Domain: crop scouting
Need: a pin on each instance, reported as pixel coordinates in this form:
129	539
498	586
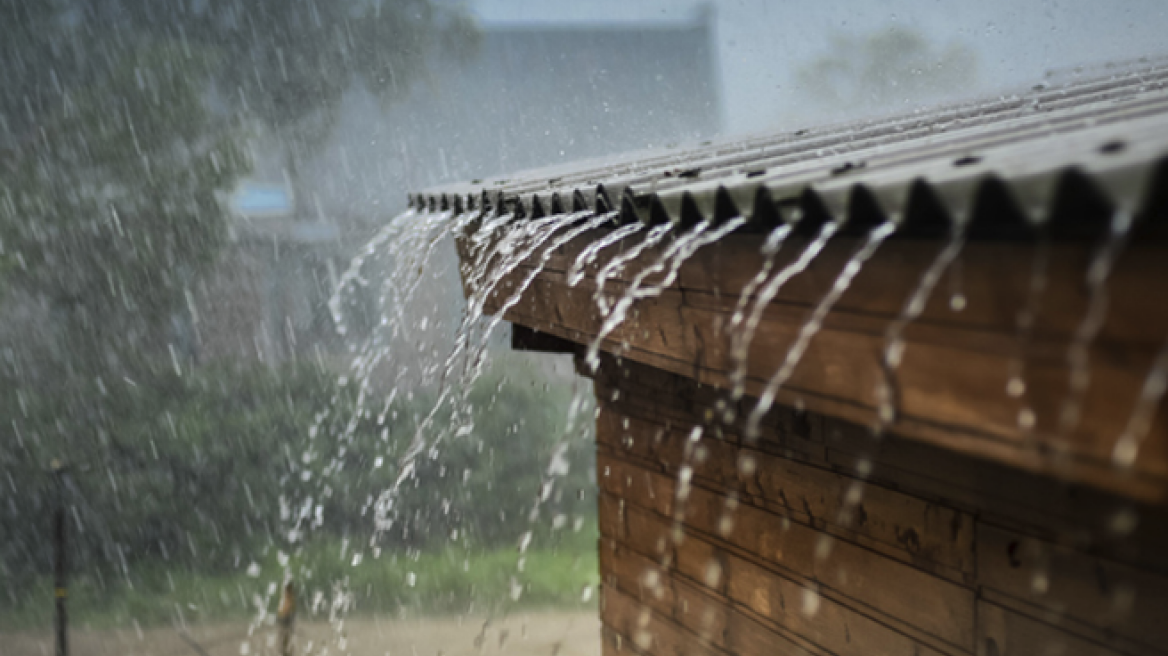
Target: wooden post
286	618
60	584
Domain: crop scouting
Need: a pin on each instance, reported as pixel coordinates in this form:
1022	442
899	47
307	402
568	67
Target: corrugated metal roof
1073	154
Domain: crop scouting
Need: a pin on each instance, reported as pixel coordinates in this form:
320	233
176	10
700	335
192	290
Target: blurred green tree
123	124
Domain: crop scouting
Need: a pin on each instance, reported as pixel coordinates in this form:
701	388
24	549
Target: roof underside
1059	157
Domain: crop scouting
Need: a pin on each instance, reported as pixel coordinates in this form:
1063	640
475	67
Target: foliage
447	581
186	468
191	473
122	125
886	68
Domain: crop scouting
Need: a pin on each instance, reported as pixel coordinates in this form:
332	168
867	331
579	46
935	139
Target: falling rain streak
502	257
813	324
894	345
1078	355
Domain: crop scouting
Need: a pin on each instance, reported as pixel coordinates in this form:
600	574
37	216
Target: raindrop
810	606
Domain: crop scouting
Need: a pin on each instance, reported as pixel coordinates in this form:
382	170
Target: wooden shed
965	341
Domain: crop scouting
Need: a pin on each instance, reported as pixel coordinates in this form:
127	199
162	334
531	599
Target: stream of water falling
814	323
670	262
1127	447
492	264
617	264
476	358
589	254
770	250
1078	355
586	226
1016	386
742	338
893	351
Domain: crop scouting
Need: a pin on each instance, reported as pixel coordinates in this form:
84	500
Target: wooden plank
967	410
936	606
706	615
926	531
630	436
640	577
1119	601
820	619
614	644
994	278
1051	509
1003	632
802	610
647	631
711	618
992	301
610	516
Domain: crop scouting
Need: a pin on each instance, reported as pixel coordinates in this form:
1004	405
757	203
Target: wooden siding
952	382
956	532
781	547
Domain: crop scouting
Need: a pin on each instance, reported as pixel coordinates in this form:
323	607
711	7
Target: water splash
814	323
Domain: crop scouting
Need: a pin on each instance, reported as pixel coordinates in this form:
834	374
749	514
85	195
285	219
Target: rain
517	327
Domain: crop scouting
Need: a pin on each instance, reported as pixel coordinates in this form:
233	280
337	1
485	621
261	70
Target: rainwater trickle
814	323
894	345
1078	355
668	265
742	338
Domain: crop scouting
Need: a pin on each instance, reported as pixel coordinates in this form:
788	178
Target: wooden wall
952	384
819	539
962	531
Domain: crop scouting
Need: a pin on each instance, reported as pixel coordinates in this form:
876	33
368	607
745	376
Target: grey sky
761	42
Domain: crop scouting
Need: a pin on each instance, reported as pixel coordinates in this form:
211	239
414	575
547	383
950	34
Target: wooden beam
952	384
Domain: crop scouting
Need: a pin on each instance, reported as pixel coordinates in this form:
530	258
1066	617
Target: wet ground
531	634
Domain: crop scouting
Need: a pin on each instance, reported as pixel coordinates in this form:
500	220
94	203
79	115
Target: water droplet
823	546
1040	583
1125	452
1026	419
1124	522
713	574
1016	387
810	602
